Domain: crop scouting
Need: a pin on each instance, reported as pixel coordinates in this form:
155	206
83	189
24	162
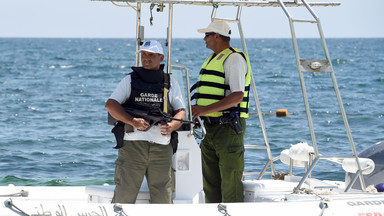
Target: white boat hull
65	201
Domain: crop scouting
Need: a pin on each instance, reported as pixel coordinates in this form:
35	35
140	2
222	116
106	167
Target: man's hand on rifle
140	124
165	129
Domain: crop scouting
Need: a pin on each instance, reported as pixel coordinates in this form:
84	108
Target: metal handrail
335	86
260	115
191	130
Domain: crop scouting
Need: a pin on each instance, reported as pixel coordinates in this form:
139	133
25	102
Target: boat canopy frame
303	65
244	3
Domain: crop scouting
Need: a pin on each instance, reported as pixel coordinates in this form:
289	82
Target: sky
96	19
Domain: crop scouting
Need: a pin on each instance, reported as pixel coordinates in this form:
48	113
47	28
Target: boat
267	192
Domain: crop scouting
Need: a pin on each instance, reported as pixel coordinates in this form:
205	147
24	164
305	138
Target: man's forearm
229	101
117	111
179	114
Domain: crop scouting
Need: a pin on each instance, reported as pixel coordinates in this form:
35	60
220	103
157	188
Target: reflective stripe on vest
211	85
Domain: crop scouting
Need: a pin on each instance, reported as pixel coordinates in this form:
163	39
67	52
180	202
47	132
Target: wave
17	181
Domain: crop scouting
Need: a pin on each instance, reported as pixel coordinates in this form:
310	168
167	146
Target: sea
53	124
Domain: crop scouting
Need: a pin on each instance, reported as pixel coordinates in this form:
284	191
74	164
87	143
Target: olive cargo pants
139	158
222	152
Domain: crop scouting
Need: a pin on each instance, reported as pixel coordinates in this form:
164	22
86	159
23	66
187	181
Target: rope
223	209
323	205
279	175
10	205
128	5
119	210
22	193
150	10
214	4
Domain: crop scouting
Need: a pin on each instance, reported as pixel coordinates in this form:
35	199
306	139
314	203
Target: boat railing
315	65
269	163
302	155
198	133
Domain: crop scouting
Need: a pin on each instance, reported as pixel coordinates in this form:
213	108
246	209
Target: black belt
214	120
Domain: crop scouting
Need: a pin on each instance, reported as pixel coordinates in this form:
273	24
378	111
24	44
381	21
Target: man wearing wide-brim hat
222	95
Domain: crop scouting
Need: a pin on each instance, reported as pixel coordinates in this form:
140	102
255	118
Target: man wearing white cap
222	95
145	150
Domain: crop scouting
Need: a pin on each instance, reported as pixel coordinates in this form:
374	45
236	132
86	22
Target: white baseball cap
152	46
217	26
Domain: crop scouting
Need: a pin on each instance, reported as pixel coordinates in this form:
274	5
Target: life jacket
211	85
147	90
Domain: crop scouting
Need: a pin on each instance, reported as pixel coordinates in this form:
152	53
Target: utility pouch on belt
119	131
235	122
174	141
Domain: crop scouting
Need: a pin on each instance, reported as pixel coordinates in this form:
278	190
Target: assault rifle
152	117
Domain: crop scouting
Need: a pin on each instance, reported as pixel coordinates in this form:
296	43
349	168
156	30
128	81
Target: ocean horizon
53	124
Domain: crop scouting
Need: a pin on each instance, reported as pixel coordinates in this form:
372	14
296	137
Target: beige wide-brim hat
217	26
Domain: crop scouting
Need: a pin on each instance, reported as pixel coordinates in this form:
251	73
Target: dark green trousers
222	152
137	159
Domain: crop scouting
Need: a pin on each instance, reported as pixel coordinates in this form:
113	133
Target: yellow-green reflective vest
211	85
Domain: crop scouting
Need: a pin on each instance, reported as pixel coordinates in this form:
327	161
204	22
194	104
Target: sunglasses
209	33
